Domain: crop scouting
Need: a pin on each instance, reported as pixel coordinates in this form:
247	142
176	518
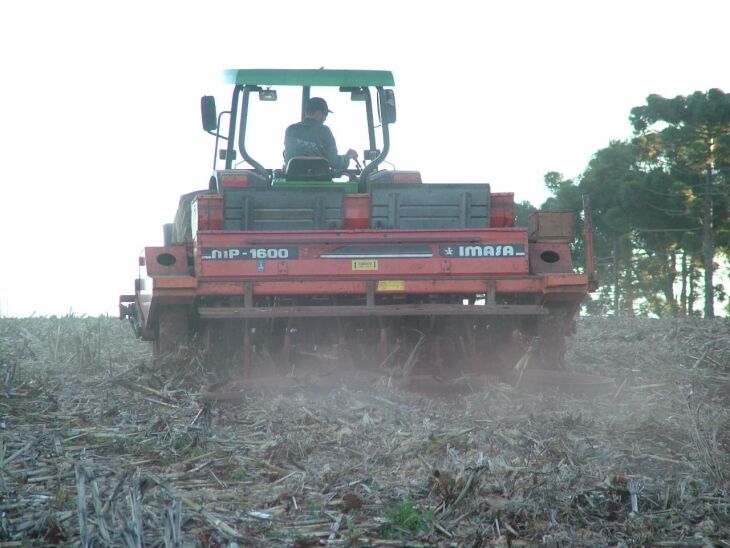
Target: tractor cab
241	132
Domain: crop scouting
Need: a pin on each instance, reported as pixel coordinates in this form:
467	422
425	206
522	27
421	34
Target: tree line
660	204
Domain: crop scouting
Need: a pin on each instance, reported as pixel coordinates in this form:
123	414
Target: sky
100	107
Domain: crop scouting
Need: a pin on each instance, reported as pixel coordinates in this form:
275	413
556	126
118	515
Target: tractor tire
551	332
172	342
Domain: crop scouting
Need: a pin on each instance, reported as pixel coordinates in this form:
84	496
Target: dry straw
99	448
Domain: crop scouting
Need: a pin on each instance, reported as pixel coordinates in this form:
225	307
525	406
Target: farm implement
366	267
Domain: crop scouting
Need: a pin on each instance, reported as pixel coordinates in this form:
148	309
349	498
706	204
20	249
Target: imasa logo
471	251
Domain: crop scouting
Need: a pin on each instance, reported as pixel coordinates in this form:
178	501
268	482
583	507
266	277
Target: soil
630	446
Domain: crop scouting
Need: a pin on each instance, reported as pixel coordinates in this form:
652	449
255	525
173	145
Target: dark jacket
312	138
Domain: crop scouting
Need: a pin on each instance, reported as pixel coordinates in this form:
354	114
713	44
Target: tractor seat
308	168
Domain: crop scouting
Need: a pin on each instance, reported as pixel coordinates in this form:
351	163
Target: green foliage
409	517
642	226
688	138
694	129
315	506
353	531
238	475
181	442
648	203
522	212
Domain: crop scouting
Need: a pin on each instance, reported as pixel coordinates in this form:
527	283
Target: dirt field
97	448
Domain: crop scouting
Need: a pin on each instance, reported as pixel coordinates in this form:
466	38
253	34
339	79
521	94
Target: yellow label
391	285
364	264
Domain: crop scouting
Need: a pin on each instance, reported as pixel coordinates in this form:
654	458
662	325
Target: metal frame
369	310
250	80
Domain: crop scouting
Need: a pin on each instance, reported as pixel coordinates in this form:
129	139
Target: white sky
101	133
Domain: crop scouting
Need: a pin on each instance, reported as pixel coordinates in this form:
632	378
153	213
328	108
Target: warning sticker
391	285
364	264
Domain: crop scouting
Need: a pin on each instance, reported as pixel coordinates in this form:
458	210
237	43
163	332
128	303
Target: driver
311	137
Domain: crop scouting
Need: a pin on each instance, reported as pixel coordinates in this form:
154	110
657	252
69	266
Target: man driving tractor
312	138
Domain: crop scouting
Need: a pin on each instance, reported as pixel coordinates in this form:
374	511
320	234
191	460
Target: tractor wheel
173	336
551	332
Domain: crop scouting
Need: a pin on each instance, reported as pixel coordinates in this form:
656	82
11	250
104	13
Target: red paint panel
360	288
502	210
208	210
510	235
344	268
166	261
357	211
550	258
321	287
569	287
519	285
311	245
175	282
567	282
330	287
230	180
309	274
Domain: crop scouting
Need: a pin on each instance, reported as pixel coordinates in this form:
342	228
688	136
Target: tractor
278	265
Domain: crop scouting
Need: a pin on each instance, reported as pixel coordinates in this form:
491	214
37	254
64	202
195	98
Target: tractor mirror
388	107
267	95
208	113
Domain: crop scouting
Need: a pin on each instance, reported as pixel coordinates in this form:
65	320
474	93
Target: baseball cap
317	103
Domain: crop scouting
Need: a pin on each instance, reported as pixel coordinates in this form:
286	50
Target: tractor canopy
309	77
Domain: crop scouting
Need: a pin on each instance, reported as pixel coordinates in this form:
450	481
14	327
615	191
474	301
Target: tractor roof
309	77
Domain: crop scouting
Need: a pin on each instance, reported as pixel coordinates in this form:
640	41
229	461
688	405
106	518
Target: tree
692	134
642	230
608	174
523	210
